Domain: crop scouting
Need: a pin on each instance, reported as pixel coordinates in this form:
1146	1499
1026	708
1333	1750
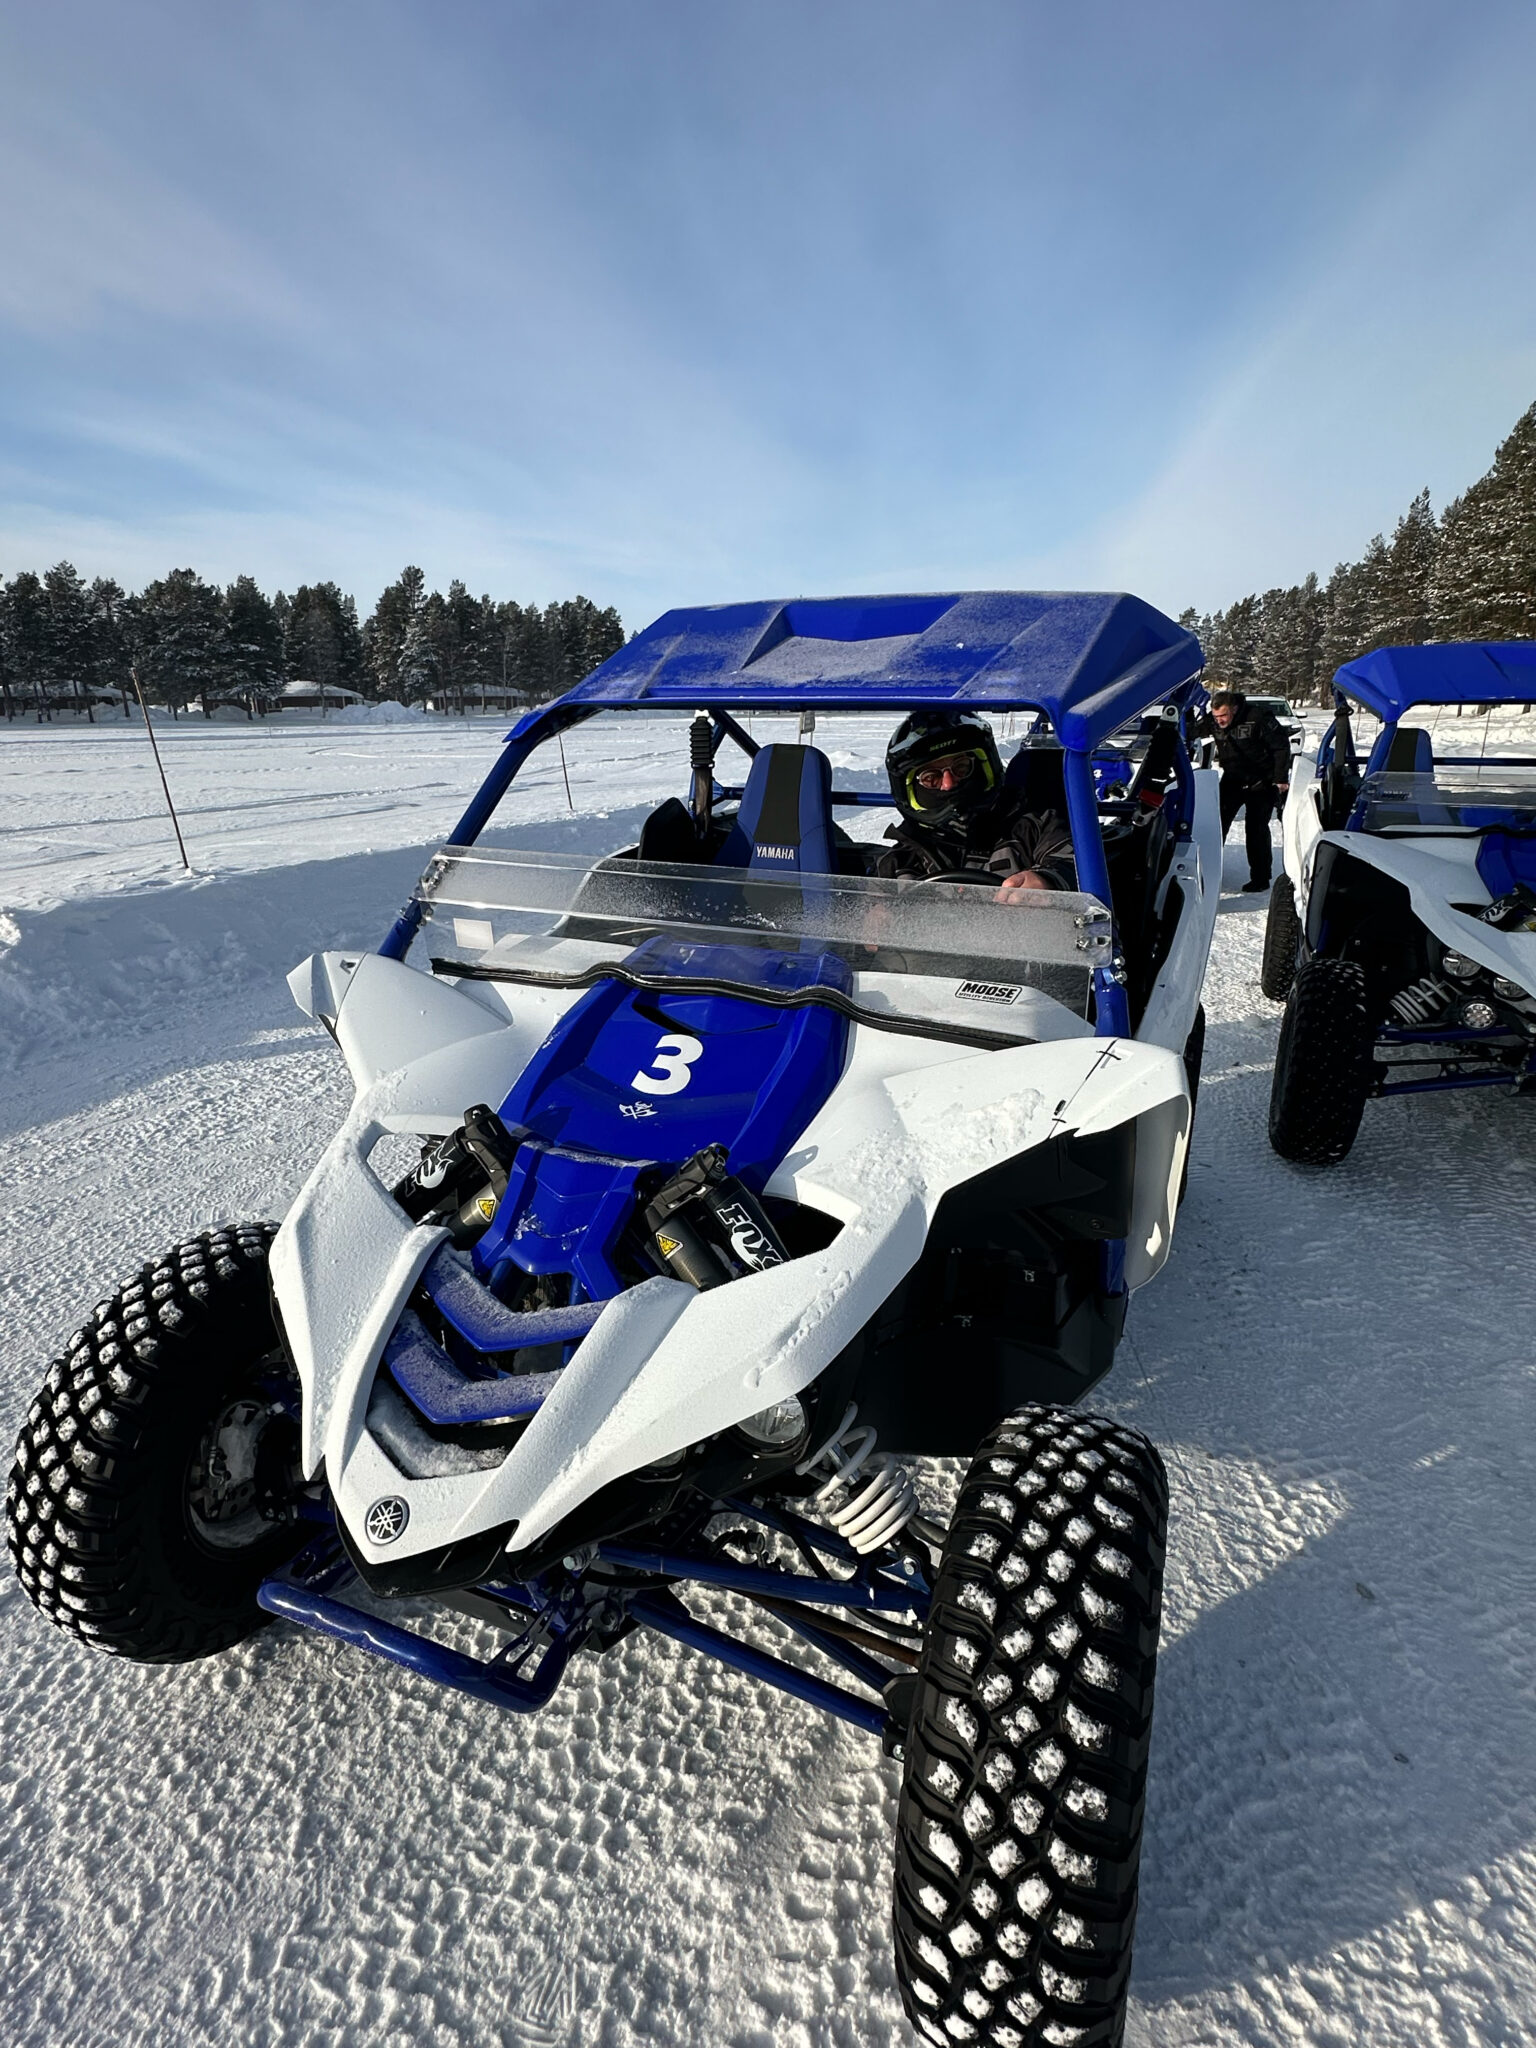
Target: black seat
1036	776
1412	752
669	834
1408	751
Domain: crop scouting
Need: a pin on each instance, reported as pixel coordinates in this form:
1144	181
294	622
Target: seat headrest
1036	776
784	824
1410	752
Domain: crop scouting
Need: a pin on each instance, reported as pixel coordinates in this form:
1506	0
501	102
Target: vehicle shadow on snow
1237	905
1344	1734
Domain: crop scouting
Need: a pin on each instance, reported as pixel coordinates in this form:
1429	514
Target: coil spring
868	1516
701	741
1421	1000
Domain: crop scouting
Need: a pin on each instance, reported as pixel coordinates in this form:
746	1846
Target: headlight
1459	965
776	1428
1511	991
1479	1016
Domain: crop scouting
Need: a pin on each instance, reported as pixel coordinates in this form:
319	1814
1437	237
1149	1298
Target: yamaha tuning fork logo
385	1521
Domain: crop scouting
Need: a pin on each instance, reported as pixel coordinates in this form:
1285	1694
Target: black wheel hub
244	1472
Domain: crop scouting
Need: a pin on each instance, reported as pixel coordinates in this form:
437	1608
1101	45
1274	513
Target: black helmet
929	736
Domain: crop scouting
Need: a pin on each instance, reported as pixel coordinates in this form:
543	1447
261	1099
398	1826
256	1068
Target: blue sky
672	301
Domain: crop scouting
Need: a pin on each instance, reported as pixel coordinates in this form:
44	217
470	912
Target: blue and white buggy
1402	934
730	1174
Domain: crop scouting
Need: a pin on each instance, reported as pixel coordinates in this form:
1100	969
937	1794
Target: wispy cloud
1390	355
686	302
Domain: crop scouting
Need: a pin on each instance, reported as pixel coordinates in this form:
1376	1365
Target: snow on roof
333	691
1088	659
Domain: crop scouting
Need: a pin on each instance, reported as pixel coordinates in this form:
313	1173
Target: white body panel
665	1366
1438	869
1196	872
1300	825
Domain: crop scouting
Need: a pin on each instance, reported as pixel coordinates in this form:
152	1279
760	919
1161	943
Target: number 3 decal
675	1055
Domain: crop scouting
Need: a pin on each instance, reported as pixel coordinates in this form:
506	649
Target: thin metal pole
560	737
175	821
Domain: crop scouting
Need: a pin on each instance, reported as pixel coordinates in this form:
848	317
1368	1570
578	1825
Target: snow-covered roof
298	688
1444	672
1088	659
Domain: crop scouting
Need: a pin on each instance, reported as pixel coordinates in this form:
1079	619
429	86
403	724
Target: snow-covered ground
290	1844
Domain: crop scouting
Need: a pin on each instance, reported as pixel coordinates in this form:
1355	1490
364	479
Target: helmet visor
933	786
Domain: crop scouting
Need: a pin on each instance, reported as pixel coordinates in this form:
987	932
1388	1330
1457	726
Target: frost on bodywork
385	1015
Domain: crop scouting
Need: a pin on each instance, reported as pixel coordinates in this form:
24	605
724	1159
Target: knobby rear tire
1282	939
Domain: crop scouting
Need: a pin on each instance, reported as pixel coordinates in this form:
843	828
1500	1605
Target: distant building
478	697
302	696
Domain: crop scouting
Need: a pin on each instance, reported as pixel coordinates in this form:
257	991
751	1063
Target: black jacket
1002	837
1252	749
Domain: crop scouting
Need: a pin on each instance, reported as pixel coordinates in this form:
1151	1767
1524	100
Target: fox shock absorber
460	1179
707	1227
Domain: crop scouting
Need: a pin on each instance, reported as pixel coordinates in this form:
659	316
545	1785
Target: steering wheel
977	877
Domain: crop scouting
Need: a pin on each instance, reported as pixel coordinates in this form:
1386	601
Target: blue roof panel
1089	660
1444	672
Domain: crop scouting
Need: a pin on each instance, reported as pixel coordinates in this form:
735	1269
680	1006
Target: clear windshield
1457	796
487	906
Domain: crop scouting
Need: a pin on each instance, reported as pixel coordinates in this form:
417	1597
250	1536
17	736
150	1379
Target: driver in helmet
958	813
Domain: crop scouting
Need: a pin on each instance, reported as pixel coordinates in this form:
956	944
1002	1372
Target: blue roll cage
1392	680
1086	663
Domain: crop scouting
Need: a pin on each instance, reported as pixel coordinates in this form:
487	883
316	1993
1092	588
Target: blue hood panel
642	1080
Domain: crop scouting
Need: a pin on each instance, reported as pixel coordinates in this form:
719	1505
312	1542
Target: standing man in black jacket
1254	757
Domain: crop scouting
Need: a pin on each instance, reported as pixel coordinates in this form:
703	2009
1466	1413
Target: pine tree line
68	644
1468	575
